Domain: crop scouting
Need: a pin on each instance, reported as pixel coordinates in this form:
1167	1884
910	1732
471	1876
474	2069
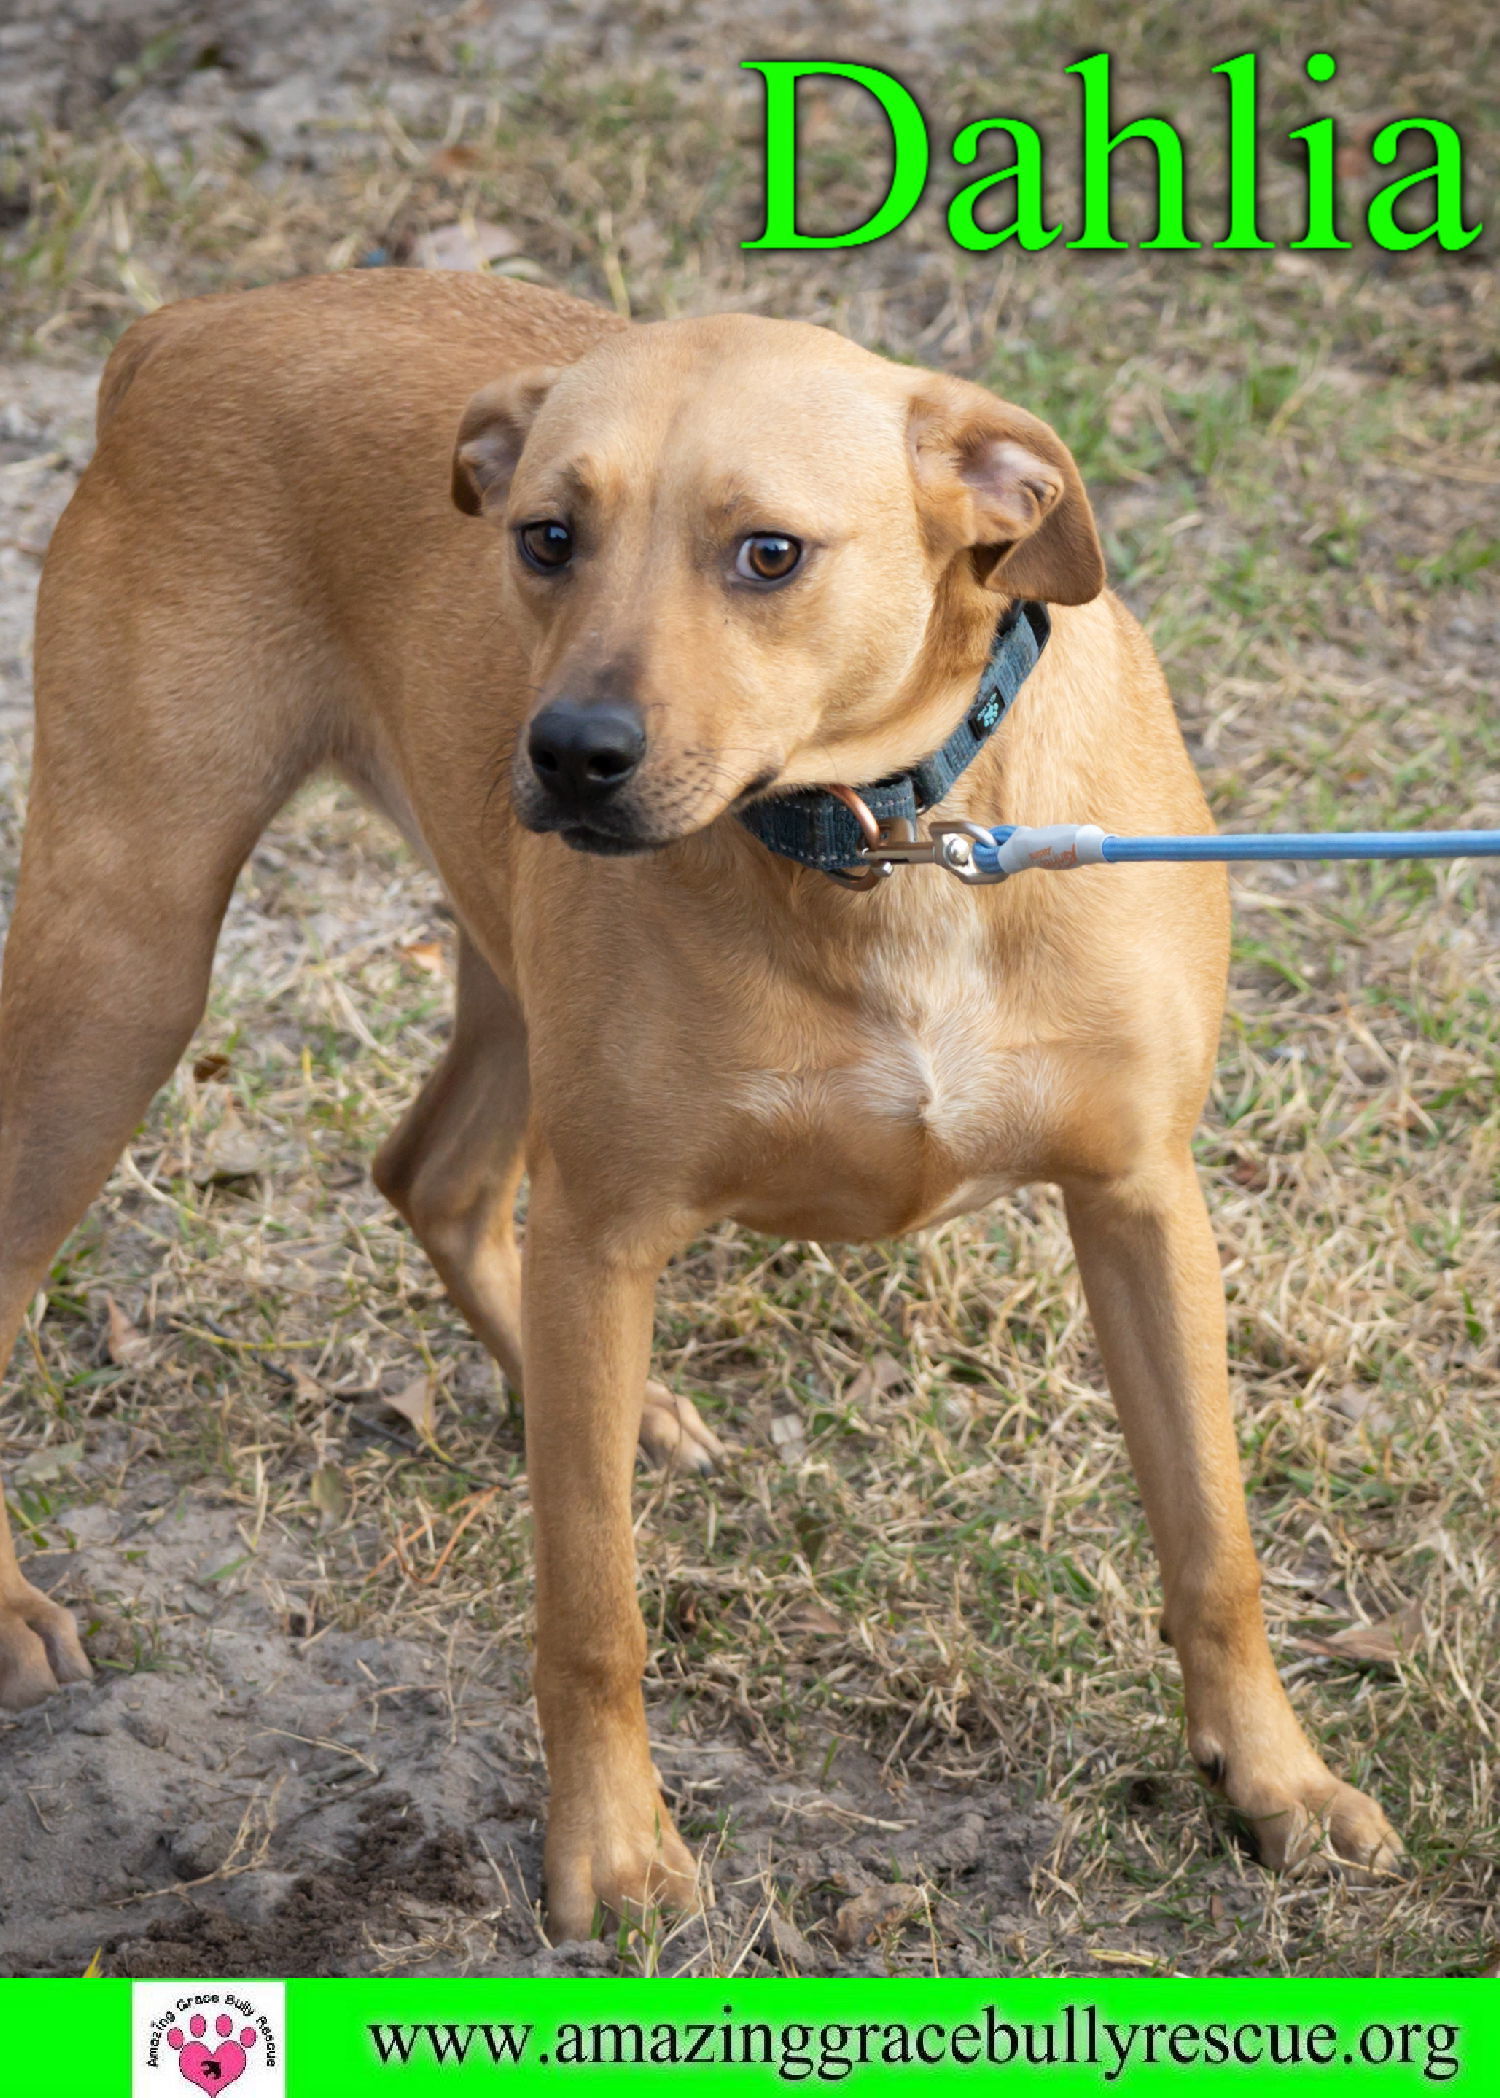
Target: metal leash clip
894	841
946	845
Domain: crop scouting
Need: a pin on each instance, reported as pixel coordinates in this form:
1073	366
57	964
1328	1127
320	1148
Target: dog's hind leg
148	791
452	1168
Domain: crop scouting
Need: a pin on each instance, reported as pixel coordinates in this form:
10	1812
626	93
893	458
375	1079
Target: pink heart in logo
211	2069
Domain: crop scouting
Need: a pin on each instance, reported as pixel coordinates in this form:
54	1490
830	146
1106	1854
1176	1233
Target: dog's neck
796	916
821	830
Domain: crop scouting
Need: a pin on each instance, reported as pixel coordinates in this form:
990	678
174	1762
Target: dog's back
501	318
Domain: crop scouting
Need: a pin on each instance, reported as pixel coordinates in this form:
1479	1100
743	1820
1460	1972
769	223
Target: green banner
341	2039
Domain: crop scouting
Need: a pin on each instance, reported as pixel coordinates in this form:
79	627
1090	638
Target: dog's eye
768	557
545	546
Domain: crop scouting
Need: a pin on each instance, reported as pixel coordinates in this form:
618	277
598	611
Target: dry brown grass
927	1554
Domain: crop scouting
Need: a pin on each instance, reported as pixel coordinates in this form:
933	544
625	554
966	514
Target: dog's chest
921	1050
917	1102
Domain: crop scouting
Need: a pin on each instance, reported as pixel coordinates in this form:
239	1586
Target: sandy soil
330	1803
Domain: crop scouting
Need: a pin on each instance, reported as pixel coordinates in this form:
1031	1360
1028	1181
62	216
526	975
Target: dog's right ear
490	437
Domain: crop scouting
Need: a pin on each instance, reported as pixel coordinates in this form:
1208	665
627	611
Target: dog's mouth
608	844
624	828
626	842
608	836
762	783
620	832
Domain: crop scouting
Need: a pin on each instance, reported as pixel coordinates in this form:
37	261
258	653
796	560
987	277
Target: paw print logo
212	2068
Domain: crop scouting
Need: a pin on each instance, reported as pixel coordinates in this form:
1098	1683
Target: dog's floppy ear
491	435
997	480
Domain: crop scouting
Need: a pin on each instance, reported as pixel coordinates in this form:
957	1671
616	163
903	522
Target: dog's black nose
584	753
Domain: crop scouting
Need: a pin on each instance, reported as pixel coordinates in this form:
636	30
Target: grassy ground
926	1557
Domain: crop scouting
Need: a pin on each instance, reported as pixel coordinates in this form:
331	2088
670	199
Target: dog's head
752	557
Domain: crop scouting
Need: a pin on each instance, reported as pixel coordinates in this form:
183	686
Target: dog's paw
39	1649
606	1875
1292	1817
1338	1821
674	1435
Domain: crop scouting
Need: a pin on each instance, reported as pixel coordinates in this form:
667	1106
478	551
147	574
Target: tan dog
688	563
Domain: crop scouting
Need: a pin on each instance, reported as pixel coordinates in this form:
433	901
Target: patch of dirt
253	1798
289	79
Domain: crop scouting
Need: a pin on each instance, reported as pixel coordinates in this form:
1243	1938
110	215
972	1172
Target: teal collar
816	829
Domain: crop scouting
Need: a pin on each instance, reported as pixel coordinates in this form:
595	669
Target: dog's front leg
611	1846
1152	1277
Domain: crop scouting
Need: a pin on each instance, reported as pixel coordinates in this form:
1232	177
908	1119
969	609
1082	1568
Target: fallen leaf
878	1910
455	160
1357	1405
49	1463
810	1617
472	245
125	1343
1385	1641
329	1494
881	1374
415	1404
214	1065
231	1153
426	954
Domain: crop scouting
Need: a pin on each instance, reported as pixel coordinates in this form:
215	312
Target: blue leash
859	836
981	855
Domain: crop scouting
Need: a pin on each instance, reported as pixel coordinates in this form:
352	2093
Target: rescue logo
208	2036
